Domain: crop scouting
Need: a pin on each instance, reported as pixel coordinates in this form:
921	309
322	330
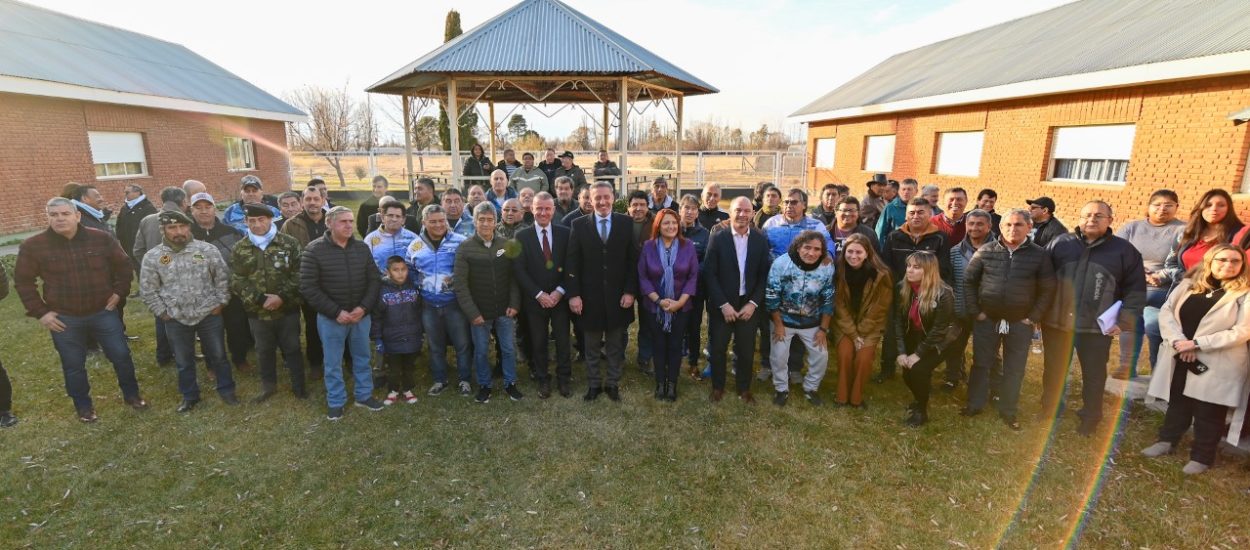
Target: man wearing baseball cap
573	171
1045	226
185	282
250	192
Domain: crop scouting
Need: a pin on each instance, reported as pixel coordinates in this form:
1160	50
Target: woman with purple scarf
668	274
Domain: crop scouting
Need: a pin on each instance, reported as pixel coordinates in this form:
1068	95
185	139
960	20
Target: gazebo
540	52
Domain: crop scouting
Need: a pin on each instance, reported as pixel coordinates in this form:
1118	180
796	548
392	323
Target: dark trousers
889	343
1092	350
211	331
271	336
694	330
604	346
743	334
6	391
667	346
1207	419
986	344
401	371
106	328
312	341
238	331
164	351
919	378
642	336
953	355
539	321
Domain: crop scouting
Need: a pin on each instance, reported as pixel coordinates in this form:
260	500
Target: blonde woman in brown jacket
862	297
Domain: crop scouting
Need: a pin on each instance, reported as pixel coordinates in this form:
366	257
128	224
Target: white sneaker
391	398
1160	448
410	398
465	389
1194	468
437	388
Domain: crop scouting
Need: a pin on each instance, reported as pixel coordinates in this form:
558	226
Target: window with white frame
879	153
240	155
1097	154
959	153
117	154
824	152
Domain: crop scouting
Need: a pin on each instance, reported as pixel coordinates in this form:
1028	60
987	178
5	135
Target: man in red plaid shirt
85	276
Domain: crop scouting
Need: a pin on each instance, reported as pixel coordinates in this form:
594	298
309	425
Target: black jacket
334	278
532	271
1092	276
1049	232
709	218
720	270
899	244
1010	285
364	214
600	273
128	224
396	317
478	167
936	323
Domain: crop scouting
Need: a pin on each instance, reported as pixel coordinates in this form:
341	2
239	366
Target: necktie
603	230
546	247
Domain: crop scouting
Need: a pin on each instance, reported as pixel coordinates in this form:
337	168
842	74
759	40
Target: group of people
541	258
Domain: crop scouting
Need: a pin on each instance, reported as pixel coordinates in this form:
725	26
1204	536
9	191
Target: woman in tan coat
862	298
1203	361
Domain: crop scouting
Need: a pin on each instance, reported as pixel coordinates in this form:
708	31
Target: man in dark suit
602	279
735	272
539	270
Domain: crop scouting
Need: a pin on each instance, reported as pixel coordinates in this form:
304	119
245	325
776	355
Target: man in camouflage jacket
266	279
185	282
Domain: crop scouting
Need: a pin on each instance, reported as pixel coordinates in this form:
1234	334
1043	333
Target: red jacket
79	274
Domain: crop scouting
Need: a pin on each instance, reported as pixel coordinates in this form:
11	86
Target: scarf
913	312
262	241
856	280
85	208
133	203
798	262
666	290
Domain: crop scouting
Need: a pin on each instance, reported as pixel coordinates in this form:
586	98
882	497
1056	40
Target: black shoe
87	415
1012	423
187	405
564	389
137	403
7	419
230	399
371	403
334	413
660	391
265	394
513	393
483	395
670	391
917	418
969	411
613	392
949	386
544	389
779	399
592	394
813	398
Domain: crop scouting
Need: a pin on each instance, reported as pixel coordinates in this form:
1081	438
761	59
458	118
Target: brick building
90	103
1106	99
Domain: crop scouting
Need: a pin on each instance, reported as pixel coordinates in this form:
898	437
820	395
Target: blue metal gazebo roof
541	38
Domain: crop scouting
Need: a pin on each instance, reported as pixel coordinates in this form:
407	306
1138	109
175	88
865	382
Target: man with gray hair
1008	286
85	274
932	193
193	187
340	281
710	213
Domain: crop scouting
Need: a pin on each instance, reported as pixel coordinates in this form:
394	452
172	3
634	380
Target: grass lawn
565	474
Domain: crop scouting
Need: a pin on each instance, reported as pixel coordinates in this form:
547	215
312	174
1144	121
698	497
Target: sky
767	57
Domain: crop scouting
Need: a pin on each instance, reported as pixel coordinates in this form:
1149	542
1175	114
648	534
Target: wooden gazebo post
453	128
623	141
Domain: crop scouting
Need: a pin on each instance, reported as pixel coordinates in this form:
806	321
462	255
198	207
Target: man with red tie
539	271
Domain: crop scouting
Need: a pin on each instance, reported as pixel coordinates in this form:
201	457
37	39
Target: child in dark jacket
397	323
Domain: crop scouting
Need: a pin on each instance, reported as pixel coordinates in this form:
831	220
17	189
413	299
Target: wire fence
731	169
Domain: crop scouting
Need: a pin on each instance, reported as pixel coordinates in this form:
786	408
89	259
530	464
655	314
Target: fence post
777	171
699	171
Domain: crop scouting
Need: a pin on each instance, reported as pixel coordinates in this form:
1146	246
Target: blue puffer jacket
383	245
434	267
234	216
396	318
781	233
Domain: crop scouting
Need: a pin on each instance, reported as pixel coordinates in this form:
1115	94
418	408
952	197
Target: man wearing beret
185	282
265	278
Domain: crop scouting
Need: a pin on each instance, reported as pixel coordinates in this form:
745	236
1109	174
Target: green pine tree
468	123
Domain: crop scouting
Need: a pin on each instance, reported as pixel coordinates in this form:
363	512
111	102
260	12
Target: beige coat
1222	336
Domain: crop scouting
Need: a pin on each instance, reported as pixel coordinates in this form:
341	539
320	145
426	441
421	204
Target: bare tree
365	127
329	127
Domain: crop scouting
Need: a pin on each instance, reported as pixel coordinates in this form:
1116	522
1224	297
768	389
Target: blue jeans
442	323
505	331
334	337
71	344
212	333
1147	325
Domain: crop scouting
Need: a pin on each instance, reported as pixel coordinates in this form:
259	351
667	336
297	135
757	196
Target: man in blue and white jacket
391	238
250	192
781	230
432	255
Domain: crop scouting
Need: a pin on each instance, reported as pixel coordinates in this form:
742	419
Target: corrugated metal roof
1077	38
541	37
40	44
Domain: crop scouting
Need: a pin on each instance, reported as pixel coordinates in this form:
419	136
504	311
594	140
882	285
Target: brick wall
44	145
1184	141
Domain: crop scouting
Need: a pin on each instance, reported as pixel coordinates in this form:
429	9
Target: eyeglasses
790	201
512	210
1095	217
1227	260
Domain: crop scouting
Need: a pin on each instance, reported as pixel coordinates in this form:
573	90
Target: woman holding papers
1203	362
